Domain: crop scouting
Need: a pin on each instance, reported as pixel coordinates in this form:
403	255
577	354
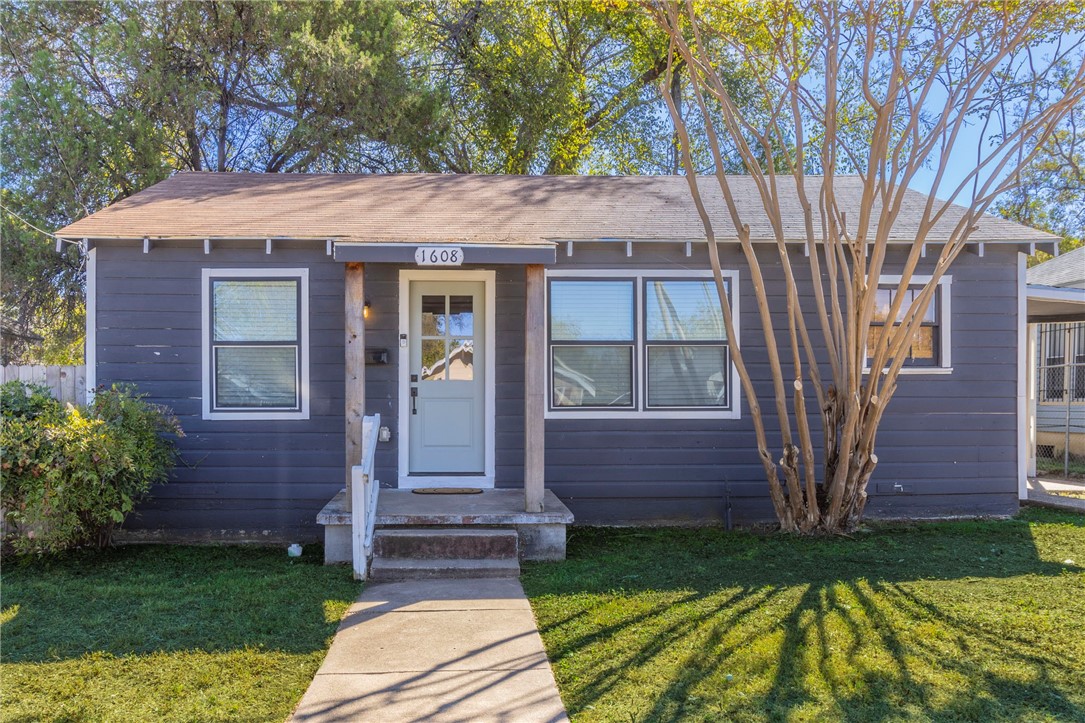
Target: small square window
928	348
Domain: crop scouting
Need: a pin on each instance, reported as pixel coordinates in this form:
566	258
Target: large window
929	350
648	343
255	351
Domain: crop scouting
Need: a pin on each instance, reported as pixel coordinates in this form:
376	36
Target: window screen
592	343
685	343
255	335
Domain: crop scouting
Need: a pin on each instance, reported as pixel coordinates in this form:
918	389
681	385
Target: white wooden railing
363	499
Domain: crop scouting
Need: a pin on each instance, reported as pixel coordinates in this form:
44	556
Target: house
1056	315
513	333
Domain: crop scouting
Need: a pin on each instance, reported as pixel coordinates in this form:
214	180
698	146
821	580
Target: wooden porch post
354	367
534	388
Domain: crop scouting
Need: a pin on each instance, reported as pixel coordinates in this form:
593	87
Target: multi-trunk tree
887	91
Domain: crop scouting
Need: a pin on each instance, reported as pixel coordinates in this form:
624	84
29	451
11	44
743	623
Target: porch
442	432
541	534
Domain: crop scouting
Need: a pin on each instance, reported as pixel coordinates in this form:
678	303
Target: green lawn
976	621
161	633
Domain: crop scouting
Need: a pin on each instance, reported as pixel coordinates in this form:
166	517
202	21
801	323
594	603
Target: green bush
72	474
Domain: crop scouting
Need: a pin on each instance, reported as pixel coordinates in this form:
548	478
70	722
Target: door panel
447	381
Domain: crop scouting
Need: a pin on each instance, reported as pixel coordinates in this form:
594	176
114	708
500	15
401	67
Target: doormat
447	491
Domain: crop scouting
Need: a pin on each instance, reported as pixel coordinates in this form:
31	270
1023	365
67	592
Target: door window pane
461	318
591	310
255	310
687	376
433	360
461	360
256	376
684	311
433	316
592	376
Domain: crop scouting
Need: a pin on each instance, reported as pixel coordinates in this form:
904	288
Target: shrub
72	474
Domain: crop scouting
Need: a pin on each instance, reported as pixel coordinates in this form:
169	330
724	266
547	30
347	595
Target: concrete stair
431	553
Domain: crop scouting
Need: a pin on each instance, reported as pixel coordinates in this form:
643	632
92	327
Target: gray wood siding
1051	417
950	439
254	479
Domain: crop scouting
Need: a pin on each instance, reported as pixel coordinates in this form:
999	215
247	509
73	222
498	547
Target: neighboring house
569	317
1056	312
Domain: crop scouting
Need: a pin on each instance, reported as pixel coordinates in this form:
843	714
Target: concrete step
444	543
397	569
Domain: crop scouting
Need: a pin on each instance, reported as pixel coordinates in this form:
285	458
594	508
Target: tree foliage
103	99
106	97
545	87
885	90
1049	193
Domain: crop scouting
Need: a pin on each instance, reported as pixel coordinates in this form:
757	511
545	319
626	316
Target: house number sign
438	256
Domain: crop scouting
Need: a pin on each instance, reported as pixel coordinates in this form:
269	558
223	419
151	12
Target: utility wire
30	225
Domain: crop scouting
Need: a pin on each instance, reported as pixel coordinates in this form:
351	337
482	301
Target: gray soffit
1051	303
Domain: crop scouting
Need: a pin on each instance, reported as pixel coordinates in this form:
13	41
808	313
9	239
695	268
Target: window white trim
486	479
1023	343
945	322
90	343
637	276
206	276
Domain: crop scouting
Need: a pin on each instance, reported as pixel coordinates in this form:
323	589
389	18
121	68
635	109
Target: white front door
446	403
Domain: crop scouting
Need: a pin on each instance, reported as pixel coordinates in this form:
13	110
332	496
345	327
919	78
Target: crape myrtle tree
885	91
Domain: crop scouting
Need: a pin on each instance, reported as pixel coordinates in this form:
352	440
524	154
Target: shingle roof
1067	270
422	208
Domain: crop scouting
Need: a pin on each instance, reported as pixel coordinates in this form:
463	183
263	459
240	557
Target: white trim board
1023	346
638	275
486	480
205	343
90	343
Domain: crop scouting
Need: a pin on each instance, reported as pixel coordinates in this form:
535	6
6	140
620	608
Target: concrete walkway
436	650
1040	493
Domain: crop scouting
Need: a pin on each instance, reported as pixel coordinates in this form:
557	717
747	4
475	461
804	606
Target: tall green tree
547	86
102	99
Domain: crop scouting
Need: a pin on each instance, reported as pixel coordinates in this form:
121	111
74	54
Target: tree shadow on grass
147	599
961	621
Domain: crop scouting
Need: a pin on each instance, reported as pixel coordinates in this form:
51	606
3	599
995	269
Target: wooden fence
68	383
